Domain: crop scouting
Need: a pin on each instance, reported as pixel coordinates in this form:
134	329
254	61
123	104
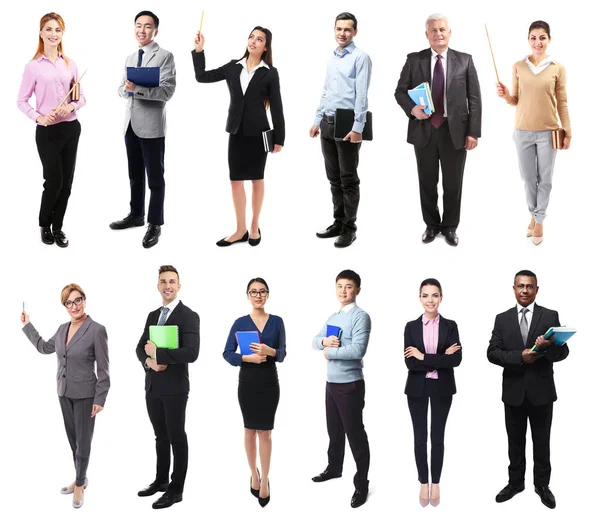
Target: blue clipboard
244	339
144	76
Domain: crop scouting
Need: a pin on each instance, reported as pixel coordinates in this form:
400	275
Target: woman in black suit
432	351
254	87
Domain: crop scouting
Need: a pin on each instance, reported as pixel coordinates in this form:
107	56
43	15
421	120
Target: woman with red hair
49	76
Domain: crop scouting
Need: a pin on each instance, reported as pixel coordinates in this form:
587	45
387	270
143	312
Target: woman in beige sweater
539	92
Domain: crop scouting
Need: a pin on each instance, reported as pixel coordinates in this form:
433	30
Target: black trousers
57	147
341	164
167	415
344	403
440	150
79	425
540	420
146	156
440	407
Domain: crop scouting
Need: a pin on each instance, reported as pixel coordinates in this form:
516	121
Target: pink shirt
431	331
50	82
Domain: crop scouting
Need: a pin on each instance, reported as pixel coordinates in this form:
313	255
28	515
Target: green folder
164	336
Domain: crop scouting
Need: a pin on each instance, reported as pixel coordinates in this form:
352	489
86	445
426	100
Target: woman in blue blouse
258	389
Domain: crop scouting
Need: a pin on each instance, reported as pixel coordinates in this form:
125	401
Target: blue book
244	339
561	336
421	95
144	76
333	330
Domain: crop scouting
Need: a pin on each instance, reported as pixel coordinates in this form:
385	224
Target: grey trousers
79	424
536	163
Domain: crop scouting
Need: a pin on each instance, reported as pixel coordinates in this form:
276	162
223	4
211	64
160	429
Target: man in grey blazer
145	123
445	136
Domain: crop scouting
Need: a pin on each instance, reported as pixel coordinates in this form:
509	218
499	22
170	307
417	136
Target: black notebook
268	137
344	120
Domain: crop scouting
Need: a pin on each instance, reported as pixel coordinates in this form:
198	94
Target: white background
119	277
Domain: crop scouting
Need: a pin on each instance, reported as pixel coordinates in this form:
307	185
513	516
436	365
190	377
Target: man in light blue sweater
345	389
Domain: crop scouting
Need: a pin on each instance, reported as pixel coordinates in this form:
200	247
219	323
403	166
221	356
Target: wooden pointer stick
70	91
201	20
491	51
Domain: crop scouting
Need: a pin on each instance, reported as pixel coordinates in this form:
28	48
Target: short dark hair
431	281
525	272
349	275
150	14
540	24
167	268
347	16
255	280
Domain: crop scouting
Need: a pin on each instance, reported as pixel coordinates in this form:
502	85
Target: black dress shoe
60	238
255	491
359	497
167	499
47	236
255	241
345	239
429	235
151	237
326	475
152	489
451	238
331	232
546	496
263	502
224	243
508	492
128	221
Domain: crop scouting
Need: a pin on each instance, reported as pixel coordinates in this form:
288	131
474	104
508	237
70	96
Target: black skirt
258	395
247	157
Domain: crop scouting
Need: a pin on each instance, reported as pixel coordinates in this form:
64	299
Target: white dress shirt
537	69
245	75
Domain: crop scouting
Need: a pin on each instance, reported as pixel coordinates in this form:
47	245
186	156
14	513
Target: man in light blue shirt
343	340
346	85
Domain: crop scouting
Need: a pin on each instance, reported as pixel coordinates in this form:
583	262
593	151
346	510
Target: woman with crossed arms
432	351
79	345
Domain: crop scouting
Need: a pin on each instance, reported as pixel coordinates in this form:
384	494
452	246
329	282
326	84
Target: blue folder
561	336
334	330
244	339
421	95
144	76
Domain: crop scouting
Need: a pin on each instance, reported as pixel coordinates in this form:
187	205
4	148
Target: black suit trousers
341	164
146	156
440	407
344	403
167	415
540	420
440	150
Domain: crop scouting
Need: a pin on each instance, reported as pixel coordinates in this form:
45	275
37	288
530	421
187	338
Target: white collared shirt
147	52
528	316
445	67
171	307
245	75
537	69
349	307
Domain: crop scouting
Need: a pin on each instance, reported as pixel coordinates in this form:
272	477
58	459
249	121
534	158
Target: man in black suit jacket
452	130
528	390
167	387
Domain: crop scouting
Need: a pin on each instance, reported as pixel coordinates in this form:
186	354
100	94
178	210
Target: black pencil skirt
247	157
258	395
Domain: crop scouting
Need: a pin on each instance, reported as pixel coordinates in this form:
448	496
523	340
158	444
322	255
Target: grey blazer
146	108
75	377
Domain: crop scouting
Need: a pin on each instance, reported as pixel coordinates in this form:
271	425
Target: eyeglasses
254	293
77	301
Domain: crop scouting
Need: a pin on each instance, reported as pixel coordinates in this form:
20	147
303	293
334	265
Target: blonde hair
68	289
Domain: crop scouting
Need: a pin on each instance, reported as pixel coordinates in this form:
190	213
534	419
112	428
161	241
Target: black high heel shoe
263	502
255	491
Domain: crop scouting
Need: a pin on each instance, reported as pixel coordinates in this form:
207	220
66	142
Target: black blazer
443	363
533	381
247	112
175	379
462	94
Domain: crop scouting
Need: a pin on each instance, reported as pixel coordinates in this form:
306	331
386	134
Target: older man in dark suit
445	136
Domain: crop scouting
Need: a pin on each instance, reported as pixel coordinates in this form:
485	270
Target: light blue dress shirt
346	85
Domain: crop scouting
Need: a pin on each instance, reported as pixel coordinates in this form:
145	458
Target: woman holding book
254	87
539	90
432	350
258	388
49	76
82	379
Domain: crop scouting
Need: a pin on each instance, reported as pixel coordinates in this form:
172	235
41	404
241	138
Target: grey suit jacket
75	377
146	109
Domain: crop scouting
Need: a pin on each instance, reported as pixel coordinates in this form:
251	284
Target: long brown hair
267	55
61	23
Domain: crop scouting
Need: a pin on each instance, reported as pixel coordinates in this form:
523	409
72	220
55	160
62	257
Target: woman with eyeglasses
258	388
49	76
432	350
80	345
